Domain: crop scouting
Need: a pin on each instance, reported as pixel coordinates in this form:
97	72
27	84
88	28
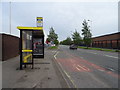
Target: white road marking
62	70
84	68
70	78
92	52
78	69
111	56
103	55
56	55
110	69
65	73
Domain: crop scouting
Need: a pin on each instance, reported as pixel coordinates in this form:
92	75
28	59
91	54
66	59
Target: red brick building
107	41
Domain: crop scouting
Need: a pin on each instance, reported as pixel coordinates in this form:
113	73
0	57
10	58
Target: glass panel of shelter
26	47
37	46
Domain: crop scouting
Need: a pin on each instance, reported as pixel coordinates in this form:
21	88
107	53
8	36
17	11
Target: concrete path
44	75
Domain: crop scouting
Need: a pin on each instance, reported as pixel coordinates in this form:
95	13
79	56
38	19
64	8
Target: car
73	46
52	44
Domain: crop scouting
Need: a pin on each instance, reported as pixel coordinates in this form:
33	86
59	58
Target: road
88	68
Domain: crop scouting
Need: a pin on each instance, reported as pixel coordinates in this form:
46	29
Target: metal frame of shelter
27	48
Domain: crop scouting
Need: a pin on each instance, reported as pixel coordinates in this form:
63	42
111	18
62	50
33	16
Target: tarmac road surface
88	68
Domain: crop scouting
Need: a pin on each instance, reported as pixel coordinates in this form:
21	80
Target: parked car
73	46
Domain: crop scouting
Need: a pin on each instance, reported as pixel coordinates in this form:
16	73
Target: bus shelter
31	45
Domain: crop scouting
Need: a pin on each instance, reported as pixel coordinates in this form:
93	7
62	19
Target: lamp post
10	17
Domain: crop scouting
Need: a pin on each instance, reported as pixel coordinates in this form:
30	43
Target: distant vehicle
52	44
73	46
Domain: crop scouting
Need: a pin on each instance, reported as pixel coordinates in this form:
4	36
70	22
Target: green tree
67	41
86	33
76	38
53	36
56	42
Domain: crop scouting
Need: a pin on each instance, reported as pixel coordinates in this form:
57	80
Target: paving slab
44	75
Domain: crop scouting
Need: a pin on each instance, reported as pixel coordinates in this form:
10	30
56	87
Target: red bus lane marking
73	65
79	69
100	68
113	74
67	64
84	68
79	66
95	66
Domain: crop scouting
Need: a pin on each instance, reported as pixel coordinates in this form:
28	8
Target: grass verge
100	49
53	47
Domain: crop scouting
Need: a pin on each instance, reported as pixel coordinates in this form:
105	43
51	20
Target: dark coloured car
73	46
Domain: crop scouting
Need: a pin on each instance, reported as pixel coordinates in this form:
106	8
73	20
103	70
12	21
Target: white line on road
111	56
104	55
62	69
70	78
92	52
84	68
65	73
56	55
110	69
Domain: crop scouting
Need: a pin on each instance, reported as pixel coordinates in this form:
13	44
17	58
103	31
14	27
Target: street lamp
10	17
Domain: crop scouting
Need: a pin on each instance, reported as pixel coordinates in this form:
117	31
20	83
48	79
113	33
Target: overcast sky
65	17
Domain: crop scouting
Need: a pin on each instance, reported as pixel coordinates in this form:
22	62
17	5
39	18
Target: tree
56	42
86	33
67	41
76	38
53	36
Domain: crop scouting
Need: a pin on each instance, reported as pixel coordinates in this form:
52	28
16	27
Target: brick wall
10	46
107	41
0	47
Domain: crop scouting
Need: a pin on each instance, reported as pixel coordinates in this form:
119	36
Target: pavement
45	74
89	68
